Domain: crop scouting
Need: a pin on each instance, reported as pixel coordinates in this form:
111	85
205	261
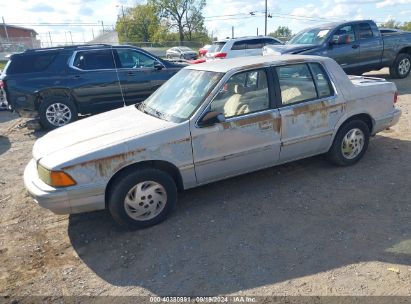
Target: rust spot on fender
179	141
104	164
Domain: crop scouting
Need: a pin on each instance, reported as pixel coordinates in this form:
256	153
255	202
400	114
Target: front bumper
387	121
68	200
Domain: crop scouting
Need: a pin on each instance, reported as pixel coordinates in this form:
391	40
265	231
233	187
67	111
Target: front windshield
181	95
310	36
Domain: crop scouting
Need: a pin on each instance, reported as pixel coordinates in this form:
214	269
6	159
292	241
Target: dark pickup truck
358	46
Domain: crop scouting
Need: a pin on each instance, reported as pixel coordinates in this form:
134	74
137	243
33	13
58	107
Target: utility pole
265	32
51	42
257	31
5	29
92	32
232	32
71	38
102	26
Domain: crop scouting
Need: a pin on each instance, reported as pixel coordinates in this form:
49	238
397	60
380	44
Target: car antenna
118	77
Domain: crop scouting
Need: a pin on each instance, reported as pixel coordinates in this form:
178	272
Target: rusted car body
95	150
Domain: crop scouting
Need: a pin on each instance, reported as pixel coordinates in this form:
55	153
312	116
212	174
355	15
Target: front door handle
355	46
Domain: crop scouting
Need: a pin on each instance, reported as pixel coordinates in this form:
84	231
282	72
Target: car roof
244	38
225	65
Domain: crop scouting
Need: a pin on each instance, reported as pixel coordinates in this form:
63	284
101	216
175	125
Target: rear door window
238	46
365	31
30	63
254	44
94	60
296	83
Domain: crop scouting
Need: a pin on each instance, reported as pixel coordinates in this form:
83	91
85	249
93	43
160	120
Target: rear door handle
76	77
355	46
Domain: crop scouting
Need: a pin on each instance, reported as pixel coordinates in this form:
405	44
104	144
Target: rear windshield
216	47
30	63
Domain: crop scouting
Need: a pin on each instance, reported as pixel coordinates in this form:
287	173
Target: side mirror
211	118
158	65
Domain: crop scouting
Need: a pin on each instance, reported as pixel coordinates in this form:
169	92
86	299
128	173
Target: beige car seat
233	106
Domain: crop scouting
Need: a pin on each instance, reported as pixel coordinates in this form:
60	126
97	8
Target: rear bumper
64	200
387	121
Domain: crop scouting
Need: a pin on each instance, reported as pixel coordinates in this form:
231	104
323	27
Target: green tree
139	23
183	15
391	24
282	32
406	26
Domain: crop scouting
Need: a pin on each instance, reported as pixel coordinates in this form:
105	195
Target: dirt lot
305	228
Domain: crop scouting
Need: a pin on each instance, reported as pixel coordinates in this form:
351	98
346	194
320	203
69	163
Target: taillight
2	85
395	97
220	55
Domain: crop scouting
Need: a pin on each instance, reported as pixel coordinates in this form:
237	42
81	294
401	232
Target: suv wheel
350	143
401	67
57	111
142	198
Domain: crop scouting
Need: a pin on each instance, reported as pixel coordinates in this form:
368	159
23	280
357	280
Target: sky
79	20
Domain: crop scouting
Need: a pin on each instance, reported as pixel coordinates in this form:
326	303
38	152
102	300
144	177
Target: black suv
56	84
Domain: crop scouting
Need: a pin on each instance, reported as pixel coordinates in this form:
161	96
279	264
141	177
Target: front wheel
401	66
142	198
350	143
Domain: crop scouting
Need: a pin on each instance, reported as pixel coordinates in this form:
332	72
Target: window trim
148	55
73	57
116	59
278	87
272	95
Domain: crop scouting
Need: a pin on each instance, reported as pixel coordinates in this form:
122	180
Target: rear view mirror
158	65
211	118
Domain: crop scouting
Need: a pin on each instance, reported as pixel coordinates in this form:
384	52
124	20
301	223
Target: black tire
336	155
56	100
397	69
127	181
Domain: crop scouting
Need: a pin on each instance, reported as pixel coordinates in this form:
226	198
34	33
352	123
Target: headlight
55	178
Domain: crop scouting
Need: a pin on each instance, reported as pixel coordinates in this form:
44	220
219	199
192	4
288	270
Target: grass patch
2	65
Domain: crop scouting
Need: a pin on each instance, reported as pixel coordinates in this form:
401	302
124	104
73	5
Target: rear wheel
142	198
401	66
57	111
350	143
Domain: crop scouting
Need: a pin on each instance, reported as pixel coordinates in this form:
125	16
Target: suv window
296	83
238	45
254	44
216	47
365	31
268	41
135	59
94	60
243	93
30	63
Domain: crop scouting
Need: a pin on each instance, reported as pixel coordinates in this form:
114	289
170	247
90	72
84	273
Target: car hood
99	132
289	48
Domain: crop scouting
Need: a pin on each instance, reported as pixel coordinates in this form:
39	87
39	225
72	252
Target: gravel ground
304	228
